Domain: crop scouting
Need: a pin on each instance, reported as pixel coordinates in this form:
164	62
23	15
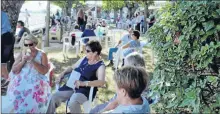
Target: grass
104	94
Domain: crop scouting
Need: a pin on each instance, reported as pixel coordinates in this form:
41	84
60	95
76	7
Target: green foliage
61	4
112	4
186	75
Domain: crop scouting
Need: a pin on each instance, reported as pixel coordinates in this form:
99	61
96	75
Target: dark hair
136	33
21	23
133	79
95	46
76	27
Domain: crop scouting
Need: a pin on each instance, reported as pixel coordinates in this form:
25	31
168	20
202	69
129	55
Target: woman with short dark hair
91	69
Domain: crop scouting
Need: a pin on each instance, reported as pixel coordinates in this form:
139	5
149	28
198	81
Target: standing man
27	15
7	44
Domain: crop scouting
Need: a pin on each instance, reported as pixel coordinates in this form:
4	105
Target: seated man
124	40
134	43
20	24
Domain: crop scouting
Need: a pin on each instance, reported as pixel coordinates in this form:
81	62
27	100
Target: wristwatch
87	83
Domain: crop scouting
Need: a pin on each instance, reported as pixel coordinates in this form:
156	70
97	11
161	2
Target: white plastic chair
67	43
87	106
90	38
118	56
55	35
21	42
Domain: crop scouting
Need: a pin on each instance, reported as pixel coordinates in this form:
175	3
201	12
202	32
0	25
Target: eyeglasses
88	51
26	45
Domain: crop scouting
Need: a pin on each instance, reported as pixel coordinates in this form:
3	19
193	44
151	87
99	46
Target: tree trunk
12	7
47	25
121	16
69	6
115	15
130	12
145	16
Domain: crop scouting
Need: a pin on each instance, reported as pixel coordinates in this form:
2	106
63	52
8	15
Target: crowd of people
136	22
29	90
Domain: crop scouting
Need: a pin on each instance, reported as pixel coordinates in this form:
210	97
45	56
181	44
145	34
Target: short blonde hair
133	79
32	38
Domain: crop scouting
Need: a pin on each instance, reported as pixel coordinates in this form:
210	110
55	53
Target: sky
37	6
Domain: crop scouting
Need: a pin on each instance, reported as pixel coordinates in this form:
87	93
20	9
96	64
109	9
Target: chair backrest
90	38
21	43
48	74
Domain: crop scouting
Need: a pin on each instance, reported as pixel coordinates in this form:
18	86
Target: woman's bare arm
18	64
43	67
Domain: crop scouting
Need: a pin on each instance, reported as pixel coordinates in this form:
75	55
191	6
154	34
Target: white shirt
142	17
128	21
139	19
136	20
133	21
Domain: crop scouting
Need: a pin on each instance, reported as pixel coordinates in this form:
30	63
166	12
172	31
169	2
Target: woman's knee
55	98
73	103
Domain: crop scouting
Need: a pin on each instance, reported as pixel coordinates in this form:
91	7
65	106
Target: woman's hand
27	58
79	83
58	79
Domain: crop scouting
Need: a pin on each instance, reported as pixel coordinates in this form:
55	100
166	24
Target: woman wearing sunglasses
29	90
91	72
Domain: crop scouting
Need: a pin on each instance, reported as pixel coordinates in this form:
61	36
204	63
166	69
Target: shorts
7	46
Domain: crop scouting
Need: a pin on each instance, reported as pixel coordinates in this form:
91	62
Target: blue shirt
133	44
88	32
6	27
21	32
125	39
143	108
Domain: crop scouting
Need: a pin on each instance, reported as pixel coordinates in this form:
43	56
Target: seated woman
29	89
92	71
130	83
133	59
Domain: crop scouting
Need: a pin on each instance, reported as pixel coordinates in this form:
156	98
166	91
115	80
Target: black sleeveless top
88	73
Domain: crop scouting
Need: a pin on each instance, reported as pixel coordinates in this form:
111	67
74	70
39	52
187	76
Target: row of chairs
67	41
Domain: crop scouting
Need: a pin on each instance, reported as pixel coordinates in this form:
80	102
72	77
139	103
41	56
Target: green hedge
185	38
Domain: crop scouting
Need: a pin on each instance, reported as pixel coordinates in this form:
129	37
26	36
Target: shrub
185	38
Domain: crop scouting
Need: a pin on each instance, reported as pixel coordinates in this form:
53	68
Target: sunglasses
88	51
26	45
